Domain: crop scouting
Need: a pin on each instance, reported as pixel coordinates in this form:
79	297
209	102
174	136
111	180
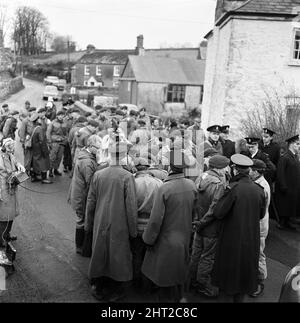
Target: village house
254	46
162	84
100	67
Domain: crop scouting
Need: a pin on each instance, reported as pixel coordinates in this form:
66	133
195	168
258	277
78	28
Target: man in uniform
213	139
254	153
287	187
57	138
227	145
25	111
268	146
26	128
242	206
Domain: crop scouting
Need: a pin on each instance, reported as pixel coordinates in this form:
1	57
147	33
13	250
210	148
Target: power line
114	13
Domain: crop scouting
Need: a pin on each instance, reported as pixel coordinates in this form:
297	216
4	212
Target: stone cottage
162	84
255	45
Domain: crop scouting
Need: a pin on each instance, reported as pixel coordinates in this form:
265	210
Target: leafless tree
29	29
276	111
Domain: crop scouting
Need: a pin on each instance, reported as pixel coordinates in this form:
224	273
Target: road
49	270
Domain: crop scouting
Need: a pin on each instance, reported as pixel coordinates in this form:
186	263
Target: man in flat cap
255	153
257	175
4	110
213	139
227	145
235	269
169	229
111	214
287	187
57	138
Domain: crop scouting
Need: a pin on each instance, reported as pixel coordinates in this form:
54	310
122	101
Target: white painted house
255	44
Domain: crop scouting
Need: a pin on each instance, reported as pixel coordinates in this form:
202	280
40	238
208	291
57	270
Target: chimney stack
140	45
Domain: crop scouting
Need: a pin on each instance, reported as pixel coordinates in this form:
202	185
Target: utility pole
69	67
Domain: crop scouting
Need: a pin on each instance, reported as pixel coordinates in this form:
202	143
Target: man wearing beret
227	145
287	187
242	206
10	125
56	138
169	229
213	139
211	187
257	175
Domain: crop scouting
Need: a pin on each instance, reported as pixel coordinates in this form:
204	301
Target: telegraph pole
69	67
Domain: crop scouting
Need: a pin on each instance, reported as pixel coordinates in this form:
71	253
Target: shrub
274	112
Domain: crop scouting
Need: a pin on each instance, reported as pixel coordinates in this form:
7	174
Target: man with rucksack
10	125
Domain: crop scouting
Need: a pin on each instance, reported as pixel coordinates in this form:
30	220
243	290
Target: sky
115	24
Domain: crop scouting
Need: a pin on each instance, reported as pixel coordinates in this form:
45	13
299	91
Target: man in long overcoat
111	213
235	269
85	167
38	154
168	232
287	189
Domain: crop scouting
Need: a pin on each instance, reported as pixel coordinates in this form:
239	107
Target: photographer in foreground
8	192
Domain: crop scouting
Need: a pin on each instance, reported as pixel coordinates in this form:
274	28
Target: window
117	70
86	70
201	94
98	70
296	49
85	83
92	83
129	86
115	83
176	93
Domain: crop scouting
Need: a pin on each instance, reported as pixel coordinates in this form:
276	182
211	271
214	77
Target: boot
57	173
51	172
79	238
44	179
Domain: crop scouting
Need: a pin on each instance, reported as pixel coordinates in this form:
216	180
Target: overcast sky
116	23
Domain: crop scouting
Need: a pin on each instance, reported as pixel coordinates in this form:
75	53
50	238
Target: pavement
49	270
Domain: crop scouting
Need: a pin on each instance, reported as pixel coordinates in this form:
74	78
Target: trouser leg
56	155
67	161
79	233
262	265
205	266
138	249
5	228
195	257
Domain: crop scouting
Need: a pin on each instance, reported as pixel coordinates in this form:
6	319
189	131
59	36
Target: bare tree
276	111
3	22
60	44
29	29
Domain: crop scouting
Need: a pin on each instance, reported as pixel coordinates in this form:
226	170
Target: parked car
51	90
51	80
61	84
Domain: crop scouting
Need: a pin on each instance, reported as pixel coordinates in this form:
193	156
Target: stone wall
11	86
245	58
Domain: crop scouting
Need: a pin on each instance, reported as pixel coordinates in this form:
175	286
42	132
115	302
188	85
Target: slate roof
269	6
113	56
151	69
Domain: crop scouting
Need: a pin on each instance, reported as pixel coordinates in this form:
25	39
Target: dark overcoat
272	150
37	157
169	232
287	188
228	148
111	212
236	263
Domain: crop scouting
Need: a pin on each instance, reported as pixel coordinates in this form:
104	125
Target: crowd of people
158	203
